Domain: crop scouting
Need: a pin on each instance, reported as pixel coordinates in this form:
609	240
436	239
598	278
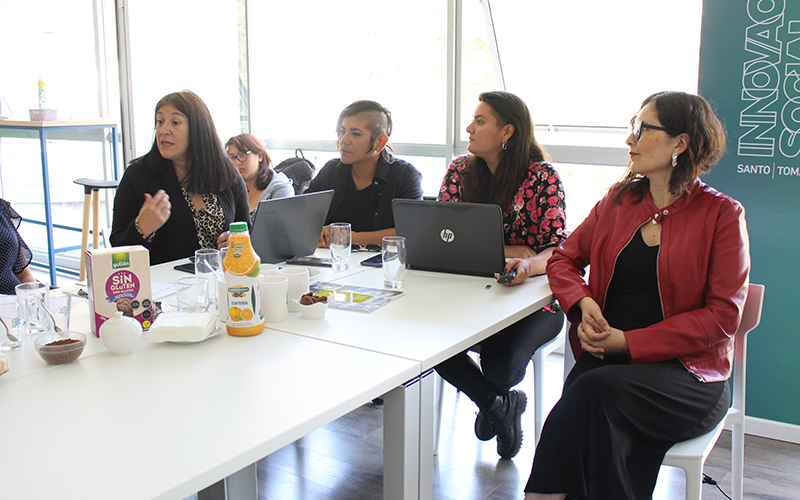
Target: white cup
298	284
393	252
268	270
341	242
274	302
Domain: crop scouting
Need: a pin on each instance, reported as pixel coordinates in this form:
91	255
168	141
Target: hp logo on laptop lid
447	235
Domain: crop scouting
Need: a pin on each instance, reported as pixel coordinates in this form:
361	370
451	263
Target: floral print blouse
535	218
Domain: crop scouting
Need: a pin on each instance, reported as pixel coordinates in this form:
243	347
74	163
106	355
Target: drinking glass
341	240
393	253
208	265
32	297
13	327
192	294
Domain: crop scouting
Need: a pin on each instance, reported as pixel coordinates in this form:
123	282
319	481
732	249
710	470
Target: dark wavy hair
209	170
379	119
681	113
248	142
479	185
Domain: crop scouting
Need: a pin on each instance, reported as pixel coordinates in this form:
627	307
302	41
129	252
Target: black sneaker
505	416
483	428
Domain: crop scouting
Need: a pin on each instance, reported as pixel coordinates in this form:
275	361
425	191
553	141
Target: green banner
750	72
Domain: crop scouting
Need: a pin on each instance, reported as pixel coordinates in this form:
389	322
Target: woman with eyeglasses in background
255	166
653	330
184	193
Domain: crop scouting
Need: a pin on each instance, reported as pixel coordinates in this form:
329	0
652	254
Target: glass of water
208	264
341	240
393	252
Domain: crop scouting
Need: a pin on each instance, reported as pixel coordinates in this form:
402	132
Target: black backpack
299	170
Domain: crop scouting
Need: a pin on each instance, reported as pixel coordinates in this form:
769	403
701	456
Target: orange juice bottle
242	267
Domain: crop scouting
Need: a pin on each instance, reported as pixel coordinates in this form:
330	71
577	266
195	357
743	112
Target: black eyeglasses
638	126
241	156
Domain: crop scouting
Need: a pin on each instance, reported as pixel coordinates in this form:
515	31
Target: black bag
299	170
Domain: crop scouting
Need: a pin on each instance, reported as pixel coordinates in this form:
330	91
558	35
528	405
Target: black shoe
505	417
483	428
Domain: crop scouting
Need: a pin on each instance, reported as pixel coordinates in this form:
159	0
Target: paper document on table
161	289
354	298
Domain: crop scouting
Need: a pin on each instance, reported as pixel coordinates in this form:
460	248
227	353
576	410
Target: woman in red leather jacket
653	330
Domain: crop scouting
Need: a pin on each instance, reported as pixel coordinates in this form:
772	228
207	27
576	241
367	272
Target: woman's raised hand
154	212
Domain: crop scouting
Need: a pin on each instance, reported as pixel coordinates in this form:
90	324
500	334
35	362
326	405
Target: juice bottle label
242	267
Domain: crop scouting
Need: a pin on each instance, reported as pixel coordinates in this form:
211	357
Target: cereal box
119	280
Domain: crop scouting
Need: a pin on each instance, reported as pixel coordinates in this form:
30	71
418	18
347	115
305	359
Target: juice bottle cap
238	227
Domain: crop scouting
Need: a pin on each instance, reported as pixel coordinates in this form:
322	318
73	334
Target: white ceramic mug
298	284
274	302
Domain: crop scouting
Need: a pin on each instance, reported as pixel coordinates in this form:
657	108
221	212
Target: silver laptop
289	227
460	238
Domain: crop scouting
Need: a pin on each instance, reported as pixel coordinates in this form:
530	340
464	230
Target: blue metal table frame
25	129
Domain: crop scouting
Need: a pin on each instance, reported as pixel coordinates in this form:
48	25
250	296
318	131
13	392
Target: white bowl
313	311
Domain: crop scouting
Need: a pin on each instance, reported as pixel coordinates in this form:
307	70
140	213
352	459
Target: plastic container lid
238	227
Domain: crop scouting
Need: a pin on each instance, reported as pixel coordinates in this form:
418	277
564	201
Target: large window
67	45
176	46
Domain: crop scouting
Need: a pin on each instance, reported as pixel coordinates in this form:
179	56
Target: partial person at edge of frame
653	331
14	253
184	193
367	177
251	159
507	167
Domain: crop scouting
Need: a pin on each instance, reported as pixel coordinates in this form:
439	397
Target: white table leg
401	441
426	436
242	485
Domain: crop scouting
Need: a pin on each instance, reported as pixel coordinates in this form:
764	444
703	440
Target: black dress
608	434
14	253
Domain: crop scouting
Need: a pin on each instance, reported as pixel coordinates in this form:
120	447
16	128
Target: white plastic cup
298	284
341	241
12	331
274	298
192	294
393	253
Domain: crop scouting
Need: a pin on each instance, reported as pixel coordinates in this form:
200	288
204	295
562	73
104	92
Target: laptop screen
289	227
460	238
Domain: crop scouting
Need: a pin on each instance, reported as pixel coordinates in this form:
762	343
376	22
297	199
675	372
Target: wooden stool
91	188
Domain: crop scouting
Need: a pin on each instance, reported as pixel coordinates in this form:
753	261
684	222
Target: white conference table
170	420
402	412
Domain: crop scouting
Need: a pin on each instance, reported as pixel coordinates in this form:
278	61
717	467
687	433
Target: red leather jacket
703	273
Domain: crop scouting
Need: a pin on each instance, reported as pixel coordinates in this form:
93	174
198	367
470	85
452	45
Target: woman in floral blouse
506	167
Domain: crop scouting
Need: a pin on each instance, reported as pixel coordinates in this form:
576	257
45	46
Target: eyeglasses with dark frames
241	156
637	126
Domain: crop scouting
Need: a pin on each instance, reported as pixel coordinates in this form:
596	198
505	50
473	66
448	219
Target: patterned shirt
536	216
209	221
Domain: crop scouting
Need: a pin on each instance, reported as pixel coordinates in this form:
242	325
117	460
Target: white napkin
182	327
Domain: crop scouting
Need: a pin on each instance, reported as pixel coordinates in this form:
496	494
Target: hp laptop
289	227
460	238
